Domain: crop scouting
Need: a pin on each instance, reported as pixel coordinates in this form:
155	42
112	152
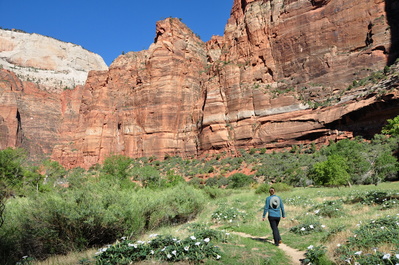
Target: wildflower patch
159	247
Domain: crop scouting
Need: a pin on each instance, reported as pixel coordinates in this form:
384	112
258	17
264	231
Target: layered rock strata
281	75
52	64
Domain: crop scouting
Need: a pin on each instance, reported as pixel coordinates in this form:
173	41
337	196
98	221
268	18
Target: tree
332	172
11	171
117	166
148	176
392	127
11	174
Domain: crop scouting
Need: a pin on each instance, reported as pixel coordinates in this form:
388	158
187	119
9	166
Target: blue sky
109	28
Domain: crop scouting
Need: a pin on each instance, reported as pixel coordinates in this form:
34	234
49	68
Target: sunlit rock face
53	64
281	75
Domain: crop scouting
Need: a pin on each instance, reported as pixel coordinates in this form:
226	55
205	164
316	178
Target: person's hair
272	190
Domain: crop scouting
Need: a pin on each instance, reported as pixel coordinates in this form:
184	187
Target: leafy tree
332	172
117	166
11	174
148	176
354	152
392	127
11	170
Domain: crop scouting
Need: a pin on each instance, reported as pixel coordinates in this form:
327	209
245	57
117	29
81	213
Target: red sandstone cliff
256	86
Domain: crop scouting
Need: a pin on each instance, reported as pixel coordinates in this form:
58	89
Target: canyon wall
282	74
52	64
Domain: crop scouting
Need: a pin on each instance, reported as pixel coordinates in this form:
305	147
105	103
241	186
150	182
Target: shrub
148	176
392	127
56	223
117	166
307	228
316	255
329	209
239	180
262	188
229	215
280	186
167	248
379	231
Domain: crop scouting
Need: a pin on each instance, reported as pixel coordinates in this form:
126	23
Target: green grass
252	247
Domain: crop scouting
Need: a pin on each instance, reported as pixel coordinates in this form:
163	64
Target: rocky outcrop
283	74
50	63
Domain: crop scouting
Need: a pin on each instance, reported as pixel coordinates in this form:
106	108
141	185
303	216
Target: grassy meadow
303	206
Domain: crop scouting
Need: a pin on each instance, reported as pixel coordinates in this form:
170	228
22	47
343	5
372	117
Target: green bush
262	189
193	249
316	255
117	166
239	180
332	172
329	209
280	187
392	127
306	228
59	222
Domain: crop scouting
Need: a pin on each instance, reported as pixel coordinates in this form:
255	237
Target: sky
111	27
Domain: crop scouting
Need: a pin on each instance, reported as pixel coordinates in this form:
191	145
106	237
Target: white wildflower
386	256
310	247
193	237
358	253
174	252
311	226
303	229
186	248
207	240
197	243
218	257
168	256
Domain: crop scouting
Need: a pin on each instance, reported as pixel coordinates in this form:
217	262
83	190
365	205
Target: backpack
274	202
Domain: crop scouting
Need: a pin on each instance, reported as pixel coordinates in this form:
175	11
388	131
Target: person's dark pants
274	221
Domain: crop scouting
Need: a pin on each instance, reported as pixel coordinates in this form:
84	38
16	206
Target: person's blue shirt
278	212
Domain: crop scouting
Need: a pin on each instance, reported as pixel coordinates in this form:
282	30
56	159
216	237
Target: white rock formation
53	64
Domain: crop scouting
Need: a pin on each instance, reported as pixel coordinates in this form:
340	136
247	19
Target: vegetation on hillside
48	210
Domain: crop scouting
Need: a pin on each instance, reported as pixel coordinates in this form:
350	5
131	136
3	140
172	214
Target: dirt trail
296	255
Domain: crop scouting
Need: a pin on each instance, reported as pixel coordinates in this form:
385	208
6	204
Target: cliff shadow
392	14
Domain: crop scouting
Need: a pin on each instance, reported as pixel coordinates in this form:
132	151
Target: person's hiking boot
279	242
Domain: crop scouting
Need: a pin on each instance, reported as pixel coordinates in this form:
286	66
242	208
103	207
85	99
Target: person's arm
265	209
282	208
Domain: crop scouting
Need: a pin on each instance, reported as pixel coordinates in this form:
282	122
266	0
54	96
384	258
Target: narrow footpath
296	255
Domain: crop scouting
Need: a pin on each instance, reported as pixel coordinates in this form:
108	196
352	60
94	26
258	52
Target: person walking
274	208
